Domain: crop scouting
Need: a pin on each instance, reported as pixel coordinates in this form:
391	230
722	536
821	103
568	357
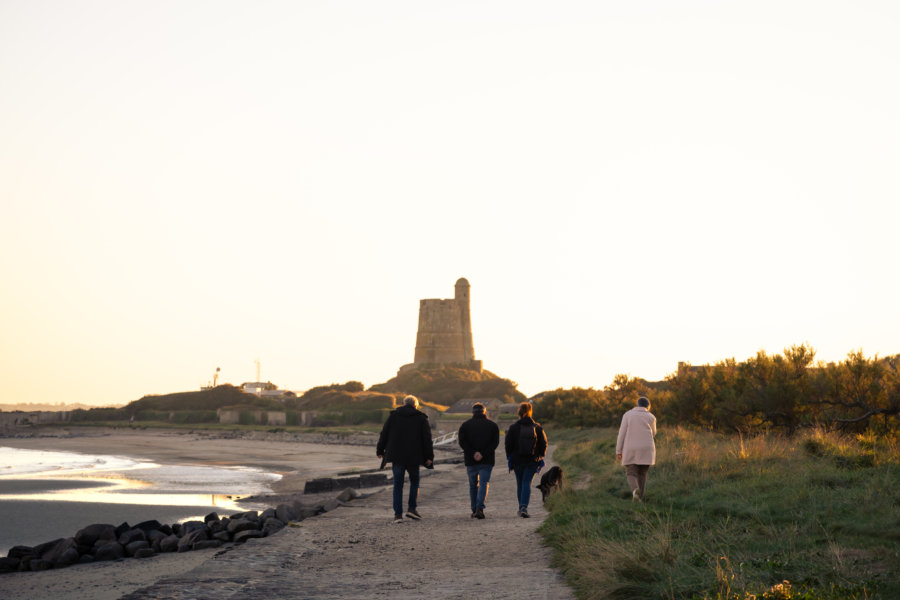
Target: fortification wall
445	329
440	337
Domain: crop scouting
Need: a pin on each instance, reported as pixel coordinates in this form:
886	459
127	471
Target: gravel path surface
357	552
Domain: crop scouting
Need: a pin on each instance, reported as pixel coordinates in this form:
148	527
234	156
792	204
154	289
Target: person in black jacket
405	442
526	444
479	437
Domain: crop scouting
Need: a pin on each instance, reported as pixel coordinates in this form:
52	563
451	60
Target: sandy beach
352	552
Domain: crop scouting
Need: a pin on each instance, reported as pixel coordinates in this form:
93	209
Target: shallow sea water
44	494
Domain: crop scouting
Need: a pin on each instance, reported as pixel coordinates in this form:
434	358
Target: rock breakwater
103	541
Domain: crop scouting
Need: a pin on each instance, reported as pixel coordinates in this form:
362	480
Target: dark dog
551	481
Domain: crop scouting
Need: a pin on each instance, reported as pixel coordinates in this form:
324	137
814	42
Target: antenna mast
257	370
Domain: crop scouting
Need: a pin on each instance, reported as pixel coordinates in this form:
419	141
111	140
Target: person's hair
478	408
411	401
642	401
525	409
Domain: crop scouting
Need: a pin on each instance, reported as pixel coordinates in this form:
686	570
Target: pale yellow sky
191	185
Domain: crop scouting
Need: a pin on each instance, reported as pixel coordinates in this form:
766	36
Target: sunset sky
190	185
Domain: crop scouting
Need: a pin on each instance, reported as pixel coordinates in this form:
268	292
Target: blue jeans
399	474
479	481
524	475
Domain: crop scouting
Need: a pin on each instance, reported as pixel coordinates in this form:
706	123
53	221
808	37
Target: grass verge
728	518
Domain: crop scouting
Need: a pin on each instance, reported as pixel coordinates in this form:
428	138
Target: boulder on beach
238	525
187	542
169	543
9	564
285	513
63	553
98	531
243	536
273	525
204	544
20	551
109	551
133	547
132	535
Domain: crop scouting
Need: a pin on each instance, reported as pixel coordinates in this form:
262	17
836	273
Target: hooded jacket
406	437
512	442
479	434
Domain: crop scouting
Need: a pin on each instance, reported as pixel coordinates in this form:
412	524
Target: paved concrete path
357	552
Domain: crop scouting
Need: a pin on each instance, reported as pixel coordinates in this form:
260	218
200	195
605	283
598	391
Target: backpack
527	441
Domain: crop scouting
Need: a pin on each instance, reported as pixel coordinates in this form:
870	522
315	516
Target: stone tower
445	331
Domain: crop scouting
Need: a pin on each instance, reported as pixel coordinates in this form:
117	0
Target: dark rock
217	526
85	559
151	525
155	535
41	549
317	486
237	525
187	542
204	544
222	536
285	513
166	529
191	526
144	553
69	557
98	531
132	535
250	514
62	554
243	536
20	551
122	529
176	529
25	563
213	516
39	564
133	547
169	543
273	525
330	505
267	514
9	564
109	551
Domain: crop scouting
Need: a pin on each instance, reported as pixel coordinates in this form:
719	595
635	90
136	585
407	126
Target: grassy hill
444	385
180	407
814	516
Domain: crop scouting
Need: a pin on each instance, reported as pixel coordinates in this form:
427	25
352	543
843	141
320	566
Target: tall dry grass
731	517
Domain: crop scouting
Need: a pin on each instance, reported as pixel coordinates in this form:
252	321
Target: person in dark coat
405	442
479	437
526	445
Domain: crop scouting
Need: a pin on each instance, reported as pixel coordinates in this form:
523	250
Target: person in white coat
635	447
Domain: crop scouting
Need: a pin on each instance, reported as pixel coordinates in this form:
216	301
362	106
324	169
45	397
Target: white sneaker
636	496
